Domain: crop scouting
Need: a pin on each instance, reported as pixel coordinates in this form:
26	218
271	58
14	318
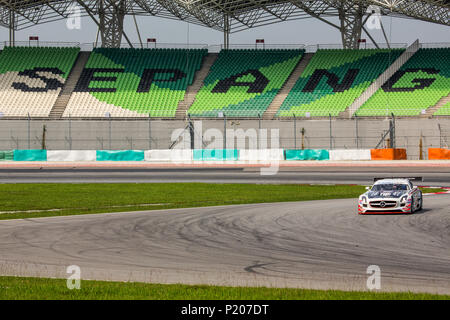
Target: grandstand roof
224	15
243	14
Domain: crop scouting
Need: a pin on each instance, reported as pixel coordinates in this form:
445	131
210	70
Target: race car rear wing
409	178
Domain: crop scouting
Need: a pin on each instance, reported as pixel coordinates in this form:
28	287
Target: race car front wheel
412	207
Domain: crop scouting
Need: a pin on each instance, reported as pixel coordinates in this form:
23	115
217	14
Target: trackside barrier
350	154
388	154
120	155
215	154
71	155
307	154
172	155
261	155
187	155
30	155
6	155
438	154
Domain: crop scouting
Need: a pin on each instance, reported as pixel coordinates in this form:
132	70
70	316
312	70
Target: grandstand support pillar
111	15
29	131
224	131
70	133
392	132
331	134
350	16
226	31
110	132
12	27
295	132
149	131
191	133
259	131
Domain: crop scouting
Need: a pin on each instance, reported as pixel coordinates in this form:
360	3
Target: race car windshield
389	187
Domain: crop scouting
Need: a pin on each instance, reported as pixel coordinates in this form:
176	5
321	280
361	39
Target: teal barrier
30	155
215	154
6	155
120	155
307	154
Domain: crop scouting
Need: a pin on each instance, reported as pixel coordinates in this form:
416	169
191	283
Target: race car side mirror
367	188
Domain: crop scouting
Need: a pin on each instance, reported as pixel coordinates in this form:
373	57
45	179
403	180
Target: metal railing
217	47
39	43
433	45
263	46
362	46
148	134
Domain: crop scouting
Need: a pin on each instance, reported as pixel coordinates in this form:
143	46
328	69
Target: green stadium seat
333	79
243	83
31	78
419	84
134	82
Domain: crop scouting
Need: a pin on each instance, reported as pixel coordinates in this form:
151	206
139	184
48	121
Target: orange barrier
438	154
388	154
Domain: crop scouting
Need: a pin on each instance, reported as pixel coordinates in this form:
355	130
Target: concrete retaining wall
71	155
172	155
350	154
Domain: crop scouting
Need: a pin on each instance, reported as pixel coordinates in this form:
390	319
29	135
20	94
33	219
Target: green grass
69	199
12	288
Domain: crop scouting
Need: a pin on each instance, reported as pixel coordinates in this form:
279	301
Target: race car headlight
403	200
364	201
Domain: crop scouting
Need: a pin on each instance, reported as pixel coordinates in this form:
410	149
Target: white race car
395	195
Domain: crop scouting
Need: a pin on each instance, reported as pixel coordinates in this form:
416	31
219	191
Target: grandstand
241	83
134	82
32	78
418	85
334	79
173	82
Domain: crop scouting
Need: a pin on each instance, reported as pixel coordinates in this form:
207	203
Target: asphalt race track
310	173
314	244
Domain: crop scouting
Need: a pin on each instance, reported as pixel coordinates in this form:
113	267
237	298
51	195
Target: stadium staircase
134	82
376	85
193	89
287	87
64	96
417	86
242	83
443	102
333	79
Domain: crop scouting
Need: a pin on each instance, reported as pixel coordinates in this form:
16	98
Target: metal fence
416	135
217	47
